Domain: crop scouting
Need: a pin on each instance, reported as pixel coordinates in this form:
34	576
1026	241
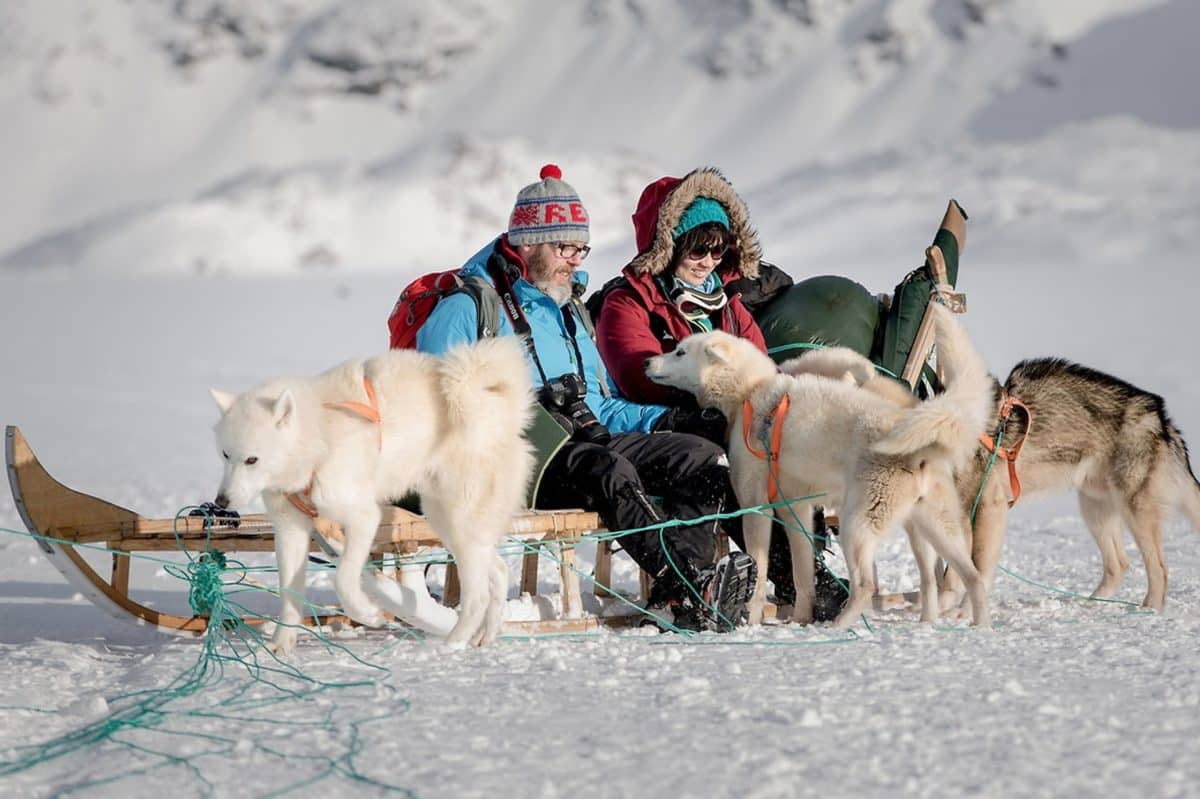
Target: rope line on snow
1072	594
136	719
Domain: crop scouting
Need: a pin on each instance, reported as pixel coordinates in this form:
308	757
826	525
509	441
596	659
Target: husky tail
1187	486
953	420
488	393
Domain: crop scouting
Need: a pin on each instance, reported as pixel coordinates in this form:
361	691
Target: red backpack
421	296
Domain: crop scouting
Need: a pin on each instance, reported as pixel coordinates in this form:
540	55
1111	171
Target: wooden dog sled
64	520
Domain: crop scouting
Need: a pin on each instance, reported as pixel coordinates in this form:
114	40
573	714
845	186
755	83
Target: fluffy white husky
880	463
369	431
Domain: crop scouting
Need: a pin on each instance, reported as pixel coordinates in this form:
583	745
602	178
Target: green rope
1072	594
802	345
157	714
204	578
661	527
986	473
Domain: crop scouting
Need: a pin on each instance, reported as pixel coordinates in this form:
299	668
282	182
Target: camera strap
568	315
512	309
498	266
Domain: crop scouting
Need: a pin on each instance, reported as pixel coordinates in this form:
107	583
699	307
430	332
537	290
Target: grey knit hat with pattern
547	211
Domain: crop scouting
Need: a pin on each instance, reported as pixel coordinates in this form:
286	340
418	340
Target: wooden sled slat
51	510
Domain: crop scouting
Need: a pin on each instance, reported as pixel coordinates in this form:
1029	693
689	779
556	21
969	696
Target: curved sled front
51	510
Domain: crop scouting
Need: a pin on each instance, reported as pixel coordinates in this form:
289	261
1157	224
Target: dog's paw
801	615
754	610
283	642
365	613
847	618
957	613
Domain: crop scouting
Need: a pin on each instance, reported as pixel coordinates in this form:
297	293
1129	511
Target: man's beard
541	276
560	294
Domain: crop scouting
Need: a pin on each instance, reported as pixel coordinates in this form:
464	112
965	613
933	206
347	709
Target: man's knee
711	482
703	471
704	451
710	464
599	463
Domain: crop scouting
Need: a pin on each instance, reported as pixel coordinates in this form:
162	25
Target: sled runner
65	520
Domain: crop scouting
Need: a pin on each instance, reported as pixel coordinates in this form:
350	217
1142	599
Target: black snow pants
688	475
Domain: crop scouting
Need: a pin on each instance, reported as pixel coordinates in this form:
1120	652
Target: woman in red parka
693	237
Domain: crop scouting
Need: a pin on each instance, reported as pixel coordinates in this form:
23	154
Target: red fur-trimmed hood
662	205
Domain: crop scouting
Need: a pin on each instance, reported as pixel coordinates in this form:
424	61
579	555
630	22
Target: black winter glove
707	422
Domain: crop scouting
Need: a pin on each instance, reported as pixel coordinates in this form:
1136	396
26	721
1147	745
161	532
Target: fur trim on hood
662	204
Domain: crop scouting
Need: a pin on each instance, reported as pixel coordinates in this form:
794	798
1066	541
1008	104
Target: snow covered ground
196	198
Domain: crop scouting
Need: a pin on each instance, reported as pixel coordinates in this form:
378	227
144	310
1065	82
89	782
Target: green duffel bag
829	310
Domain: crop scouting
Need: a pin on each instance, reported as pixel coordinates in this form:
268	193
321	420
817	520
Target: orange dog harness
1009	454
776	424
302	500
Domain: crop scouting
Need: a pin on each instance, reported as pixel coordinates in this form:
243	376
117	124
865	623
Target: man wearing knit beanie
598	450
548	228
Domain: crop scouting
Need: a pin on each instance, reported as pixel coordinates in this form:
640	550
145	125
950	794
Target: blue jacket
454	322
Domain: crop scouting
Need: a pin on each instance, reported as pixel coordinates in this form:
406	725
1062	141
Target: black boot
831	594
725	589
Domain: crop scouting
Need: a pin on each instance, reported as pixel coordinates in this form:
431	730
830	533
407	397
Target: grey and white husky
1110	441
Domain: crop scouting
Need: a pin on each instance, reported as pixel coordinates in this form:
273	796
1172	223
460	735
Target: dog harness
1009	454
302	500
369	411
775	421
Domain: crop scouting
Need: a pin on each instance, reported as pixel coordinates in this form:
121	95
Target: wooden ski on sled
64	519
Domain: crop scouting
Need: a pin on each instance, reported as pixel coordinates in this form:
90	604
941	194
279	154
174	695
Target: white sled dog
369	431
881	464
1110	441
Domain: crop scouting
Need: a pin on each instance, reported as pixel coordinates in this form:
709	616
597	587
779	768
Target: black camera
563	397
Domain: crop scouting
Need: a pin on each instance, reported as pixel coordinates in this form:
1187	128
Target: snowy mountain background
210	192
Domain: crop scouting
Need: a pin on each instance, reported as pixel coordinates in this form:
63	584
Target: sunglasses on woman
717	251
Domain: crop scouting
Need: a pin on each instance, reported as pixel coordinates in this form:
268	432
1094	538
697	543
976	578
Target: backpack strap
487	304
581	311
